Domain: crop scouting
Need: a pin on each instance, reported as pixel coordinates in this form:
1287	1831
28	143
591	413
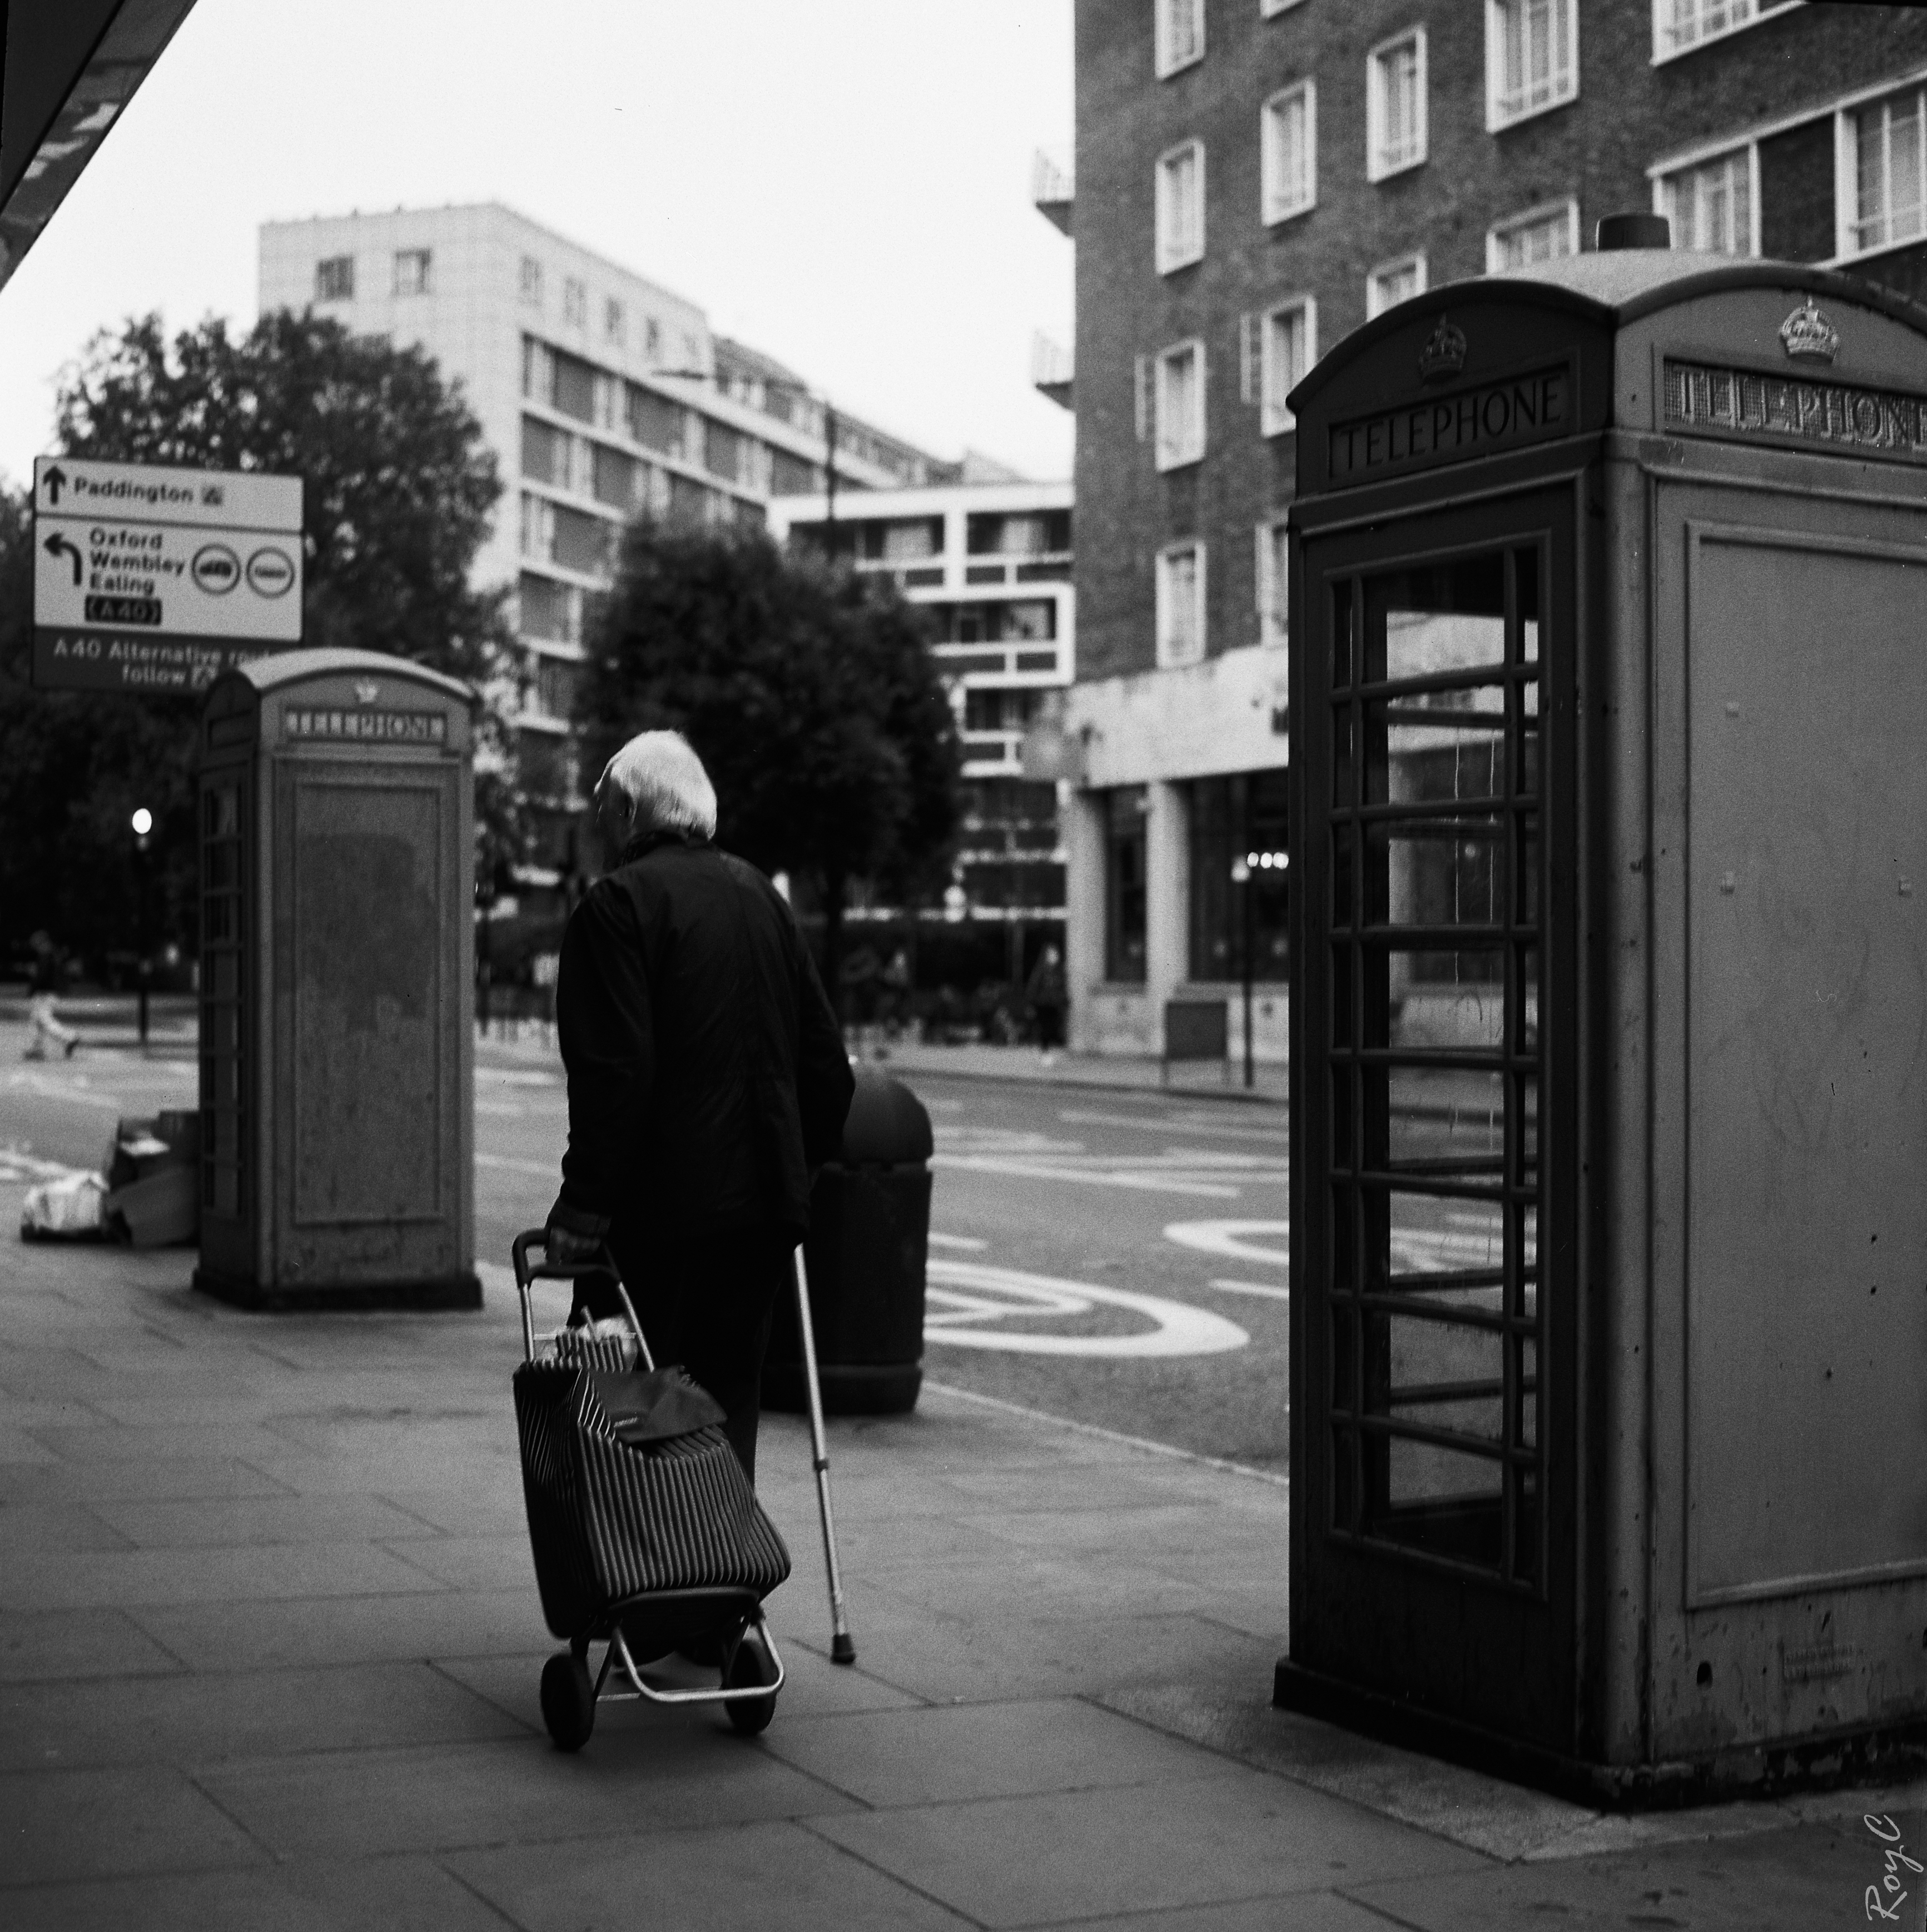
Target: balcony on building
1051	369
1053	187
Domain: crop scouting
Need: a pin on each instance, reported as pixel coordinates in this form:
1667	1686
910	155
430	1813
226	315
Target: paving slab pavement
270	1644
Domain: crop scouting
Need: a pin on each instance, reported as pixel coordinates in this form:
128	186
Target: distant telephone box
1609	995
337	1052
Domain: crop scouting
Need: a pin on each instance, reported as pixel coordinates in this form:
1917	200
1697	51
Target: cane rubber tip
842	1649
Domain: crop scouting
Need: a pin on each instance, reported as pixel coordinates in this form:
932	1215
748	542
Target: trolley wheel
750	1665
569	1701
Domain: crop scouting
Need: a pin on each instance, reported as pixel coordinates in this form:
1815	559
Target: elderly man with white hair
707	1078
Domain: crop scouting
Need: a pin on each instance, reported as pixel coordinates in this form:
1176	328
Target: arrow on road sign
56	482
57	545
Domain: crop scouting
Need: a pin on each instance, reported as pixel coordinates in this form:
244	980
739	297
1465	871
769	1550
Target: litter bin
870	1237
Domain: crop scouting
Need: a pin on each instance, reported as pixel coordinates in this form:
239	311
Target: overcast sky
843	183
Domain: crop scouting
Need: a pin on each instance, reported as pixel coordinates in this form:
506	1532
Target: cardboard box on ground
149	1195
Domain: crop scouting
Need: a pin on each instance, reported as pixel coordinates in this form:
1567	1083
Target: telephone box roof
281	668
1612	287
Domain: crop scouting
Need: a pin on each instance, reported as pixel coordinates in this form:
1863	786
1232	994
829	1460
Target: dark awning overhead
70	66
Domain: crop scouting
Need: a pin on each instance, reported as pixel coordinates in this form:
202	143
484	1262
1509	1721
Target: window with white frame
1680	25
1532	57
1711	205
1539	235
530	282
1287	347
1288	149
1180	207
574	302
1181	604
1886	175
413	268
1392	282
615	323
1180	409
1272	585
1395	105
1179	34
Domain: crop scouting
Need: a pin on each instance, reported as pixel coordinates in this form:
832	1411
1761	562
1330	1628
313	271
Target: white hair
660	774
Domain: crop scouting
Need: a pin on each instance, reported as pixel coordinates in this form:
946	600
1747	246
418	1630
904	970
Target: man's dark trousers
706	1302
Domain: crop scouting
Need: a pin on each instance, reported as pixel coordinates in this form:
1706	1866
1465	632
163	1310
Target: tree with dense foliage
399	488
810	693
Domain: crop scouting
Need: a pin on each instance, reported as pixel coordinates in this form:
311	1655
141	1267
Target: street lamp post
142	823
1244	867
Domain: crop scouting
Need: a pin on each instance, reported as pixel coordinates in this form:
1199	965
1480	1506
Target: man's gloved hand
564	1247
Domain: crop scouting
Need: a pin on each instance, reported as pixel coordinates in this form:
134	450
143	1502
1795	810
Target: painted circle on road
1228	1237
216	570
968	1303
270	572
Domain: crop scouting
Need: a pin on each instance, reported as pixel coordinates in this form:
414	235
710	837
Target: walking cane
842	1649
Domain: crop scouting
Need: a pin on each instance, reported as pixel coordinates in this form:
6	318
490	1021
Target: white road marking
1034	1171
17	1164
1254	1288
969	1241
73	1091
1163	1123
963	1294
1227	1237
515	1166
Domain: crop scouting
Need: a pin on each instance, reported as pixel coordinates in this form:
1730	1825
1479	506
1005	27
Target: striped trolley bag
645	1534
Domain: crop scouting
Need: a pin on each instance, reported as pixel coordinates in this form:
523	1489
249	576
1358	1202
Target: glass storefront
1124	811
1235	817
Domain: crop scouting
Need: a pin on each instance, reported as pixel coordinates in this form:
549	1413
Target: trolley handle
528	1273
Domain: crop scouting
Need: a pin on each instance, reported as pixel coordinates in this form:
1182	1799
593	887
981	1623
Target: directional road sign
148	579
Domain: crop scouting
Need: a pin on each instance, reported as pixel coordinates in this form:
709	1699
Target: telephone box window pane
1343	794
1342	1001
1445	1123
1439	872
1341	636
1445	997
1439	1500
1344	1360
1343	874
1445	618
1431	754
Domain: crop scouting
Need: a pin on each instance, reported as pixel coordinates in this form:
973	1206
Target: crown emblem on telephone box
366	692
1443	353
1807	336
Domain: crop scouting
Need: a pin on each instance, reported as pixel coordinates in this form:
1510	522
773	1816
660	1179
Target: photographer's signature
1885	1898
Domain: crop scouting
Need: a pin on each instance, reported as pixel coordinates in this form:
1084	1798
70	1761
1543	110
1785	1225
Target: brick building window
1179	34
1888	181
1539	235
531	281
1680	25
334	279
1288	347
1180	207
574	302
1181	604
1272	580
1395	106
1288	146
1532	57
413	272
1713	205
1180	405
1392	282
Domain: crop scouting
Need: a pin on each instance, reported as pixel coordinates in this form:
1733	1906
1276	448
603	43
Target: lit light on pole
142	823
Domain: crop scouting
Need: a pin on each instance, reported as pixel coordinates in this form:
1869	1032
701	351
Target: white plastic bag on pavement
68	1209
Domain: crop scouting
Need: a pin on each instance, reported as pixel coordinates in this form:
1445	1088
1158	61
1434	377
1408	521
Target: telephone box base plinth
1892	1755
439	1291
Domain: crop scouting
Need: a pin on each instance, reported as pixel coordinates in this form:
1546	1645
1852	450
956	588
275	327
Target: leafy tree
809	693
399	488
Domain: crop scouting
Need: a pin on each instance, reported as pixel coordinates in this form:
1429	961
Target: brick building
1254	179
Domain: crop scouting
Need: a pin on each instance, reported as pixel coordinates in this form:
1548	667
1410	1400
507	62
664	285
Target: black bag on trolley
631	1485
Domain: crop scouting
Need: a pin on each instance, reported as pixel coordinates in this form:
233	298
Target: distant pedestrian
44	1029
707	1079
1047	993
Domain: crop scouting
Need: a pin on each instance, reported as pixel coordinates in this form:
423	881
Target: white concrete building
992	560
603	396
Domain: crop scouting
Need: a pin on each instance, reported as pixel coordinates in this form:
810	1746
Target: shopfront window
1232	818
1124	883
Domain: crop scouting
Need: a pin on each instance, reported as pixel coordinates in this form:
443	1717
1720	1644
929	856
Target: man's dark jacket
706	1072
